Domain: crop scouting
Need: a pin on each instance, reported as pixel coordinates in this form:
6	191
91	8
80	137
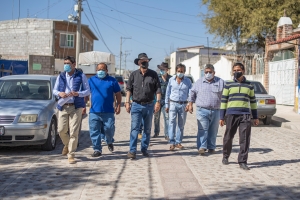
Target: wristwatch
158	101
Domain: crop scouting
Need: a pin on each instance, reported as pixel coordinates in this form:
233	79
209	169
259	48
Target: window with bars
66	40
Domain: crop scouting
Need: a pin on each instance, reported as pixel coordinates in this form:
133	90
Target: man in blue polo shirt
103	89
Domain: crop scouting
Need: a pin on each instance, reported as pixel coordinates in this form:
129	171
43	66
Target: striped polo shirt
238	98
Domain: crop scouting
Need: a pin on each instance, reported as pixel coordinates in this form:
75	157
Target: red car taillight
121	83
270	101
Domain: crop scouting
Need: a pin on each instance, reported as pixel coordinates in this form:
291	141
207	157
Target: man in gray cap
207	93
164	80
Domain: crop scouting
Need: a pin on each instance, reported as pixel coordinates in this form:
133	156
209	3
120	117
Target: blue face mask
67	68
162	72
180	75
101	74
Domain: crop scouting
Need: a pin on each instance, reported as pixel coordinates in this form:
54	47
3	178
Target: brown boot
179	146
71	160
65	151
172	147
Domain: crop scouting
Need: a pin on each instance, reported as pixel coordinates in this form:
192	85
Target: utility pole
126	54
121	51
208	50
78	9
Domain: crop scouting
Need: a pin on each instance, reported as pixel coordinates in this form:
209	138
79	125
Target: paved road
28	173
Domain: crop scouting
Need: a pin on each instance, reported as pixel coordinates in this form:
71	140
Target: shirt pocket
216	88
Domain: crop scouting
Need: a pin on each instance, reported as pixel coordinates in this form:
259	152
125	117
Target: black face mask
145	65
237	74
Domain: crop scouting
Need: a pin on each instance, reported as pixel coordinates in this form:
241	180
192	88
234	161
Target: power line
159	8
150	24
45	9
98	27
146	28
123	34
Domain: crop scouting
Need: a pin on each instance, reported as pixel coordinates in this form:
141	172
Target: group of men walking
148	95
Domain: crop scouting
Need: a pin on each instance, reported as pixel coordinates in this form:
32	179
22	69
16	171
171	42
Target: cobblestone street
29	173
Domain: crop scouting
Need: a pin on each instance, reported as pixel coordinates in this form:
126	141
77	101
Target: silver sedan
28	111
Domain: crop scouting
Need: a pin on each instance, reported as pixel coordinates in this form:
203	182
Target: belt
69	104
143	103
209	108
180	102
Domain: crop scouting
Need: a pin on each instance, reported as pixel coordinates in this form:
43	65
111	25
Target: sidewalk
286	117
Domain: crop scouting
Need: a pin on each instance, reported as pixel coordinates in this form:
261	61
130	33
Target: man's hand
221	122
190	108
62	95
73	94
127	106
156	107
256	122
167	110
118	109
186	108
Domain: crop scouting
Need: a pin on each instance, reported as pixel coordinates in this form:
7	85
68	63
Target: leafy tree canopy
247	21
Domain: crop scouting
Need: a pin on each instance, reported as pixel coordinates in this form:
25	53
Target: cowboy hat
141	56
163	66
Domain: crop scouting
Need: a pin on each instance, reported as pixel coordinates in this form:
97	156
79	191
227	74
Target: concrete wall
26	37
192	67
47	64
223	68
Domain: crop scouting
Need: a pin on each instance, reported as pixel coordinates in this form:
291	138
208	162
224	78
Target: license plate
261	102
2	130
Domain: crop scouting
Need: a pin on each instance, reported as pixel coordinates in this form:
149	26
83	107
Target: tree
247	21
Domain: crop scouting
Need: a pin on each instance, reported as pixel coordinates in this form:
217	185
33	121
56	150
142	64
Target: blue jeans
208	125
101	123
138	113
157	121
176	109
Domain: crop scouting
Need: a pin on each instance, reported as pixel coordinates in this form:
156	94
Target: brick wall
47	64
69	28
28	36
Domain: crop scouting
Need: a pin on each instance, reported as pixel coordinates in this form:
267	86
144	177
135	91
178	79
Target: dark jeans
243	122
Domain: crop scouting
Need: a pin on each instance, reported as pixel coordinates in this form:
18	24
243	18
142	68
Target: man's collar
243	81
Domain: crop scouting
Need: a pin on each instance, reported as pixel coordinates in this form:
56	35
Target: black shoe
110	147
155	135
131	155
166	138
96	154
225	161
211	151
244	166
145	153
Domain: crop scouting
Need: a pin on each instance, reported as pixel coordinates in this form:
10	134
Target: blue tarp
18	67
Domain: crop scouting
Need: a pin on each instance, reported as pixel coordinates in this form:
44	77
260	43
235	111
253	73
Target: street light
121	51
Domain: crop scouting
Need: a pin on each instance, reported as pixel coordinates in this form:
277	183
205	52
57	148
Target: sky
156	27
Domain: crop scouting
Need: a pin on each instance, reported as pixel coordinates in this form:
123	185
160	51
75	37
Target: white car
28	111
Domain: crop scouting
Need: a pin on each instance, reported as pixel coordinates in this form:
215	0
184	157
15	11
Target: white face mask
209	76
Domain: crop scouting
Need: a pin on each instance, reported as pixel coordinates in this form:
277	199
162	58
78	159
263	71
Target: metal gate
282	81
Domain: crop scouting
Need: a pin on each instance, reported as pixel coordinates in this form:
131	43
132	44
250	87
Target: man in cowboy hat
164	80
142	84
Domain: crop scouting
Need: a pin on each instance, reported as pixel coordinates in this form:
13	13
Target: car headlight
27	118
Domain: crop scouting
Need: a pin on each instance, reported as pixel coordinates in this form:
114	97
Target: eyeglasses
208	72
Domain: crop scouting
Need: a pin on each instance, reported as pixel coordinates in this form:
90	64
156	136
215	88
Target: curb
282	124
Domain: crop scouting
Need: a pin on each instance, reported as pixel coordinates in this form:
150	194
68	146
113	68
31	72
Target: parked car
266	104
190	77
28	111
120	80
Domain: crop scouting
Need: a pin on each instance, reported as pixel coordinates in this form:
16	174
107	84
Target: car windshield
119	78
25	89
259	88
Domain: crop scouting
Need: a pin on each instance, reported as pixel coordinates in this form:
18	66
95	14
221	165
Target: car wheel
267	120
51	140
